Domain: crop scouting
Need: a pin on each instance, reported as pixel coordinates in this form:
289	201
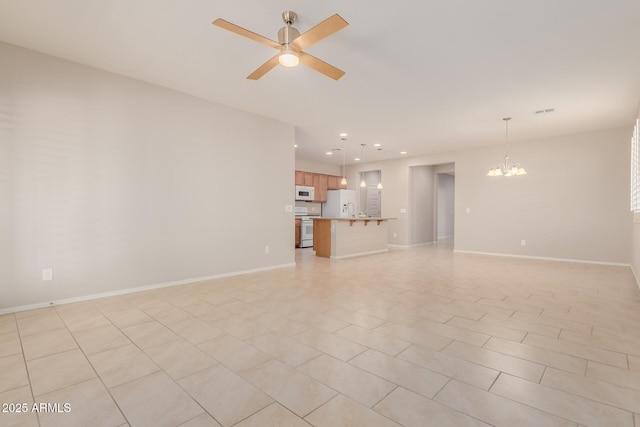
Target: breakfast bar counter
347	237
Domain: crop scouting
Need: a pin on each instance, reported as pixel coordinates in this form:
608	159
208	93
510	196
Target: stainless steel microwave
304	193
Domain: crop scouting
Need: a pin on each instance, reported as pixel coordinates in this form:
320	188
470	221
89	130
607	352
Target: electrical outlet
47	274
266	250
523	242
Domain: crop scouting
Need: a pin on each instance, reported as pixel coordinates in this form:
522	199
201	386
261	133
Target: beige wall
574	204
118	184
422	205
445	206
635	247
318	167
635	240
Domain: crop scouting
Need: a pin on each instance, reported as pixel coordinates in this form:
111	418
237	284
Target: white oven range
306	227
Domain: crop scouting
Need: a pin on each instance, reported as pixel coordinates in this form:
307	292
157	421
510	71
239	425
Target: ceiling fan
291	44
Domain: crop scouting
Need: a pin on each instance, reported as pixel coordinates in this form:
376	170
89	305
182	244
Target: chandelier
507	167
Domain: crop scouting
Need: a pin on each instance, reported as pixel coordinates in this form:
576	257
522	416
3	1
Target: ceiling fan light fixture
288	57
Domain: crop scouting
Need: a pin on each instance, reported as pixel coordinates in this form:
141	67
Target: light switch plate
47	274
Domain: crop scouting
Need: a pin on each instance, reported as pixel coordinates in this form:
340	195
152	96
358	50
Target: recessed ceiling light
357	159
328	153
295	145
377	145
343	135
403	152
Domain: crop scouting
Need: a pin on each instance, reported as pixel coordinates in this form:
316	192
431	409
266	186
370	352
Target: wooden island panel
322	238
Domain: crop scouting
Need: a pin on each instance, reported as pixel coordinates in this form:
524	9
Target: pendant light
343	181
363	183
507	167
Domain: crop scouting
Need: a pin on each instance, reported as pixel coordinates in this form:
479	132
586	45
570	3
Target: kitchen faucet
351	210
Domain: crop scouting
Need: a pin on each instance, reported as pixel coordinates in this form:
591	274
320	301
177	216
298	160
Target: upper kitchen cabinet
320	183
333	183
304	178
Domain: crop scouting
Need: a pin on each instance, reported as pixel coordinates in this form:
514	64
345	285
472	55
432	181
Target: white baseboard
381	251
411	246
617	264
138	289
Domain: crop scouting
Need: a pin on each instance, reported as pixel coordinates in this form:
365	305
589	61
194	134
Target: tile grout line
94	369
26	367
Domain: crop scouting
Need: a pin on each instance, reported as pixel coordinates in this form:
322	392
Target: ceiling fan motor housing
287	34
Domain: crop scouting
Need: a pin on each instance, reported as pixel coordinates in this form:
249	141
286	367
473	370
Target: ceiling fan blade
331	25
264	68
246	33
320	66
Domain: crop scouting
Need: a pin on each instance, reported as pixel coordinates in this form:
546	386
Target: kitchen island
347	237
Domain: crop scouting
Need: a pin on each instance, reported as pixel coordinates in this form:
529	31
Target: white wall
117	184
573	204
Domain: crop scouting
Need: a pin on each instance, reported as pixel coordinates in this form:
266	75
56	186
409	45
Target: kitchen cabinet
333	182
304	178
320	183
298	232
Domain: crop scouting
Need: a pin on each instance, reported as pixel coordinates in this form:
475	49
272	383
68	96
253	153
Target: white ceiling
421	76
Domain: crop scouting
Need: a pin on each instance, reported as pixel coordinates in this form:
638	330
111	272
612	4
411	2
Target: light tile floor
414	337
